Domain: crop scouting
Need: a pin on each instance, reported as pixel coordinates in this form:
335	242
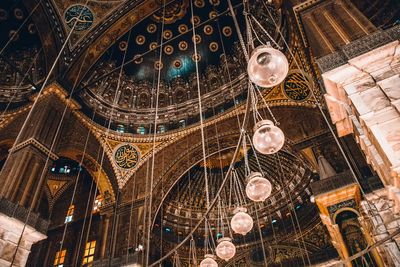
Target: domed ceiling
22	62
185	204
129	96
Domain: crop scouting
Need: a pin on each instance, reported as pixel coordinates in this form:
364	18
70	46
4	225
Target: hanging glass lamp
267	138
225	249
267	66
241	222
257	188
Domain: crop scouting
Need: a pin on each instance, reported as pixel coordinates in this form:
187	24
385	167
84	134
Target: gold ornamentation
167	34
177	64
197	37
126	156
296	87
140	39
158	65
55	186
183	45
227	31
196	57
213	46
123	45
138	59
168	49
152	45
214	2
173	12
183	28
151	28
213	14
196	20
199	3
208	29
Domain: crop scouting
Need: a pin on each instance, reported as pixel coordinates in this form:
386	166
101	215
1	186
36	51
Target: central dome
131	96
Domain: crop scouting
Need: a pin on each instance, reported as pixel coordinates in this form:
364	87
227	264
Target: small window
59	259
161	128
89	252
120	128
97	204
70	214
182	123
140	130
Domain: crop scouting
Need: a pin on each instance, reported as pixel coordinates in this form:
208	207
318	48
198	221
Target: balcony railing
332	183
21	213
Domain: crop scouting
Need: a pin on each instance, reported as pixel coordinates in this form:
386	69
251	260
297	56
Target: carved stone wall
363	99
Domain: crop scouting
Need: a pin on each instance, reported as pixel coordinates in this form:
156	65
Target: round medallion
13	35
214	2
177	64
158	65
153	45
183	45
208	29
123	45
212	14
196	38
126	156
213	46
167	34
196	20
168	49
196	57
227	31
199	3
140	39
182	28
296	87
32	28
138	59
18	13
3	14
151	28
81	14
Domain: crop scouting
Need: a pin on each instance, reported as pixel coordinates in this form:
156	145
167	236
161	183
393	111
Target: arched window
97	204
70	214
160	128
141	130
60	257
89	252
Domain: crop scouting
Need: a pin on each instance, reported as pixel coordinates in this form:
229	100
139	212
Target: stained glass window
89	252
70	214
97	204
59	259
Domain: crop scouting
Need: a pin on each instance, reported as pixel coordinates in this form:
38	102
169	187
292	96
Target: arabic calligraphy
81	15
296	87
126	156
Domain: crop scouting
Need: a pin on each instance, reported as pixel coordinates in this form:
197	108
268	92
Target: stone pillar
339	23
105	234
10	235
23	177
363	97
381	222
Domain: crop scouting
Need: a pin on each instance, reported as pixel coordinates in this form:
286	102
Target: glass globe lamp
267	138
225	249
208	261
241	222
258	188
267	66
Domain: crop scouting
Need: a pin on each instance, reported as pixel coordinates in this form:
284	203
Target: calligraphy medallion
296	87
82	14
126	156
